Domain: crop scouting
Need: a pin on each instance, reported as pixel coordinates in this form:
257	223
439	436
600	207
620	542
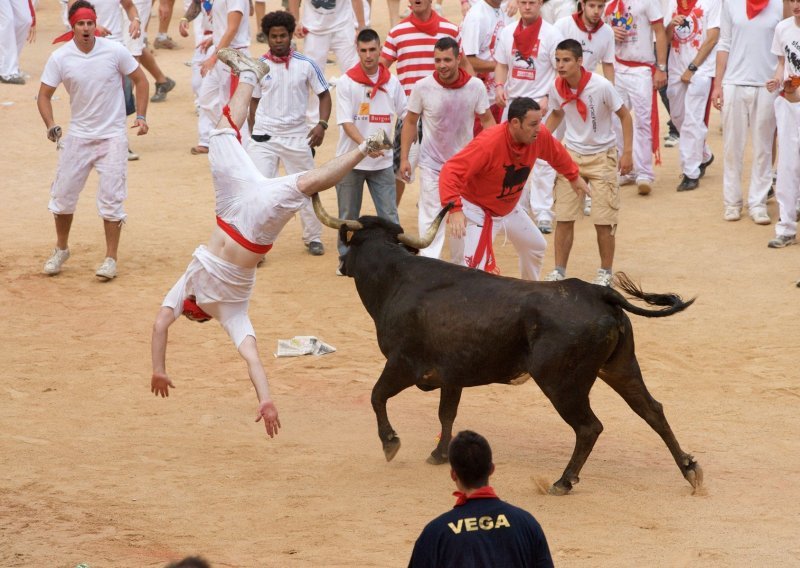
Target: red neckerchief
615	7
462	79
525	39
429	27
276	59
754	7
485	492
33	14
77	16
690	4
564	91
582	25
357	74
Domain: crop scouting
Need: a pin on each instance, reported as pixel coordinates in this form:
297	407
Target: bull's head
408	240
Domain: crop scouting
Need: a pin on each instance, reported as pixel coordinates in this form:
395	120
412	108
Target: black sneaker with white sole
688	184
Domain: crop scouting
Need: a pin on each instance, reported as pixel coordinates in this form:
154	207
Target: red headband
77	16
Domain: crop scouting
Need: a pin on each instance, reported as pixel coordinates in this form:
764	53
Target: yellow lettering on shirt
471	524
485	523
501	521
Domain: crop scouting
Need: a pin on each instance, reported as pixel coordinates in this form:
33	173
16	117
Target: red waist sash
239	238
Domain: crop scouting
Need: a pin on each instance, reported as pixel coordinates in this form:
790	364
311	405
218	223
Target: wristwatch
692	67
661	67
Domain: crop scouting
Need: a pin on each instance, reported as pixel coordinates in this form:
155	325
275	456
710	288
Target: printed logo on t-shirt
525	68
689	31
383	118
623	18
792	52
513	181
363	110
323	4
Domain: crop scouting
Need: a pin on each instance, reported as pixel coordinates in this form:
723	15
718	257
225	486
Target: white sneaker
782	241
645	186
239	62
545	226
627	179
587	206
603	278
554	276
670	141
760	217
108	269
732	213
56	260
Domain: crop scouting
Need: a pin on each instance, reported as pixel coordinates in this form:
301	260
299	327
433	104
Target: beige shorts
600	172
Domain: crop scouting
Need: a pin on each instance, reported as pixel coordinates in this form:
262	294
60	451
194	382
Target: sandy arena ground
97	470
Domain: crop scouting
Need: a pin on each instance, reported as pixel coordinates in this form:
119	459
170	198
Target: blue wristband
141	117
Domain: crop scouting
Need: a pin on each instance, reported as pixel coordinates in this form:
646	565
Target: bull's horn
329	221
420	243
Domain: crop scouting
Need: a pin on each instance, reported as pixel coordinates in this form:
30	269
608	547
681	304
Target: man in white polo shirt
744	65
596	37
278	115
525	57
368	99
449	102
588	102
91	69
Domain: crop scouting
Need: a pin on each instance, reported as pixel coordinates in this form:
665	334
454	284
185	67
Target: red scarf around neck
582	25
357	74
687	9
462	79
526	39
429	27
485	492
754	7
276	59
564	91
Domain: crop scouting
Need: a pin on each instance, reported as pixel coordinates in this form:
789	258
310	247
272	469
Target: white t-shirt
479	32
284	95
531	78
635	16
354	105
109	15
688	37
786	43
96	99
596	133
448	118
598	49
554	10
326	16
750	61
219	21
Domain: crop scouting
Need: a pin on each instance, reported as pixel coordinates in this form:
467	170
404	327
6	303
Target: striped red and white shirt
413	50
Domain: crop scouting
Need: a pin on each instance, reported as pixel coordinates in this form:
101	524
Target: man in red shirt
485	181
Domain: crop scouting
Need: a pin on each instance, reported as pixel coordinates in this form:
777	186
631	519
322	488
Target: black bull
449	327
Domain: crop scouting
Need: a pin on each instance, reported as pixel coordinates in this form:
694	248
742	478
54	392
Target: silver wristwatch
661	67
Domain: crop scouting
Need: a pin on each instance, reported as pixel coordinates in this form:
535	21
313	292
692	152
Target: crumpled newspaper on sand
303	345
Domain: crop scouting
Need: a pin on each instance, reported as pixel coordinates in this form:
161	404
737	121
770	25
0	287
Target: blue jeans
350	191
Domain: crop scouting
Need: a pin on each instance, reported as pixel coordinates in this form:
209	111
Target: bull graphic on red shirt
514	180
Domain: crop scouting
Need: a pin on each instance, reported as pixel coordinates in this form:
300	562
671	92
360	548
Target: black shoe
687	184
315	248
705	164
161	91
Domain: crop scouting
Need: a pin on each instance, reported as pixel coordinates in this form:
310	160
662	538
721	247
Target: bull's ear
345	235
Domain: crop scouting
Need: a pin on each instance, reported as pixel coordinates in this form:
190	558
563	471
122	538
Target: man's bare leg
148	61
565	234
63	225
164	15
112	230
606	245
394	12
399	188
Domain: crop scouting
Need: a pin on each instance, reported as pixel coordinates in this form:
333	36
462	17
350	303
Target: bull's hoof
694	475
561	487
391	448
436	458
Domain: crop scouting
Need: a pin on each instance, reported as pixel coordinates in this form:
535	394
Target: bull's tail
672	302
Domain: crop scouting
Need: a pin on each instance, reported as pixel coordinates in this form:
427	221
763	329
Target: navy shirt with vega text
482	533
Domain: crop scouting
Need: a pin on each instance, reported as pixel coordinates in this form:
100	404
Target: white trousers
520	230
215	92
15	22
428	207
688	104
787	186
635	86
295	154
747	108
538	191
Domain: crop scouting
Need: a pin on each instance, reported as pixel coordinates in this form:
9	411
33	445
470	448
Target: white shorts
220	288
256	206
76	159
136	46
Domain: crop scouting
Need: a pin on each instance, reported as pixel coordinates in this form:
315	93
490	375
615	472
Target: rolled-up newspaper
302	345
